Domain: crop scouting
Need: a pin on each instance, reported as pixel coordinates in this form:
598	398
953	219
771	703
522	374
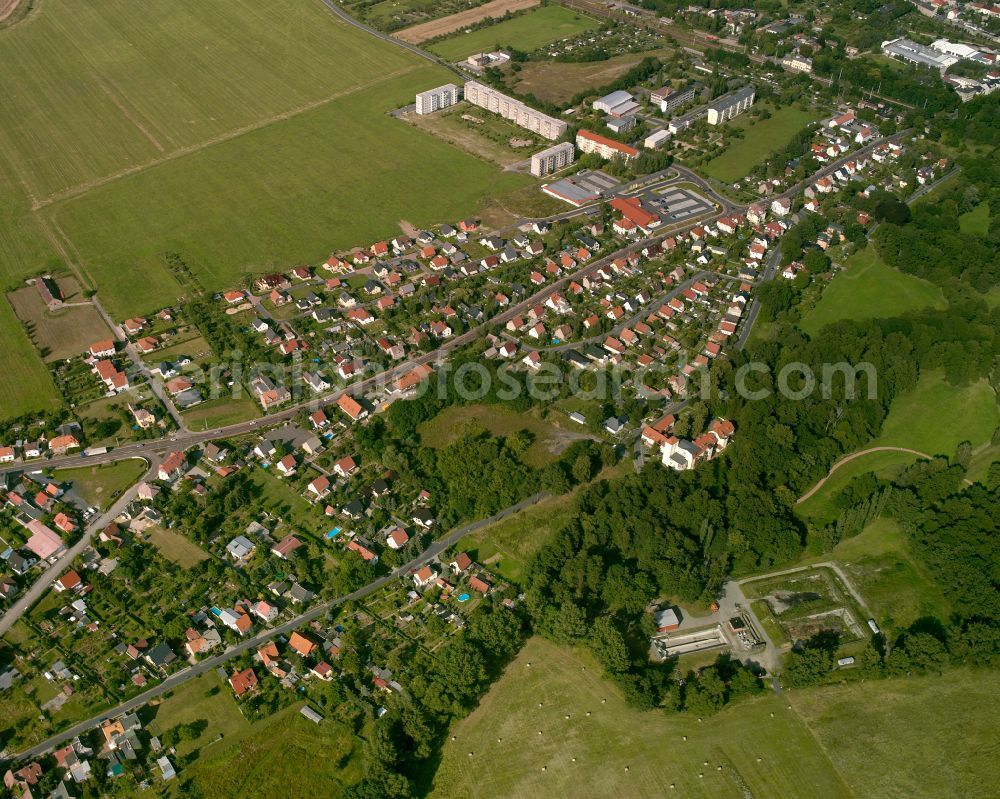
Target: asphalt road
55	570
315	612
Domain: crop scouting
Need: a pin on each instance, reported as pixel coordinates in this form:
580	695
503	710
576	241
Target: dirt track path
855	456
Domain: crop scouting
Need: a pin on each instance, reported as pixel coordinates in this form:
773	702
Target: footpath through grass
867	288
761	139
526	32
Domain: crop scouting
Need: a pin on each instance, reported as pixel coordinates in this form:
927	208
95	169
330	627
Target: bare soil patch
453	22
57	334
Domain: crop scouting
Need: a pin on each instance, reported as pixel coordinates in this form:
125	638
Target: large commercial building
918	54
590	142
730	105
514	110
668	99
552	159
617	104
435	99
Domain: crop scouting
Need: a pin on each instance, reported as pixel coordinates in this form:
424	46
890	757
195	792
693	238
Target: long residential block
730	105
517	112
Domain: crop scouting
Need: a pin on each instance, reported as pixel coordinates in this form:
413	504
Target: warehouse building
730	105
918	54
435	99
668	99
616	104
552	159
517	112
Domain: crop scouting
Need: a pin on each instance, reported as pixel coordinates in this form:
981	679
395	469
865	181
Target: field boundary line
129	115
80	189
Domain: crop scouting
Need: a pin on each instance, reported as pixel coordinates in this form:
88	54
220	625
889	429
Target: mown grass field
285	194
919	738
614	737
894	584
28	385
854	740
526	32
176	547
100	485
761	139
867	288
508	546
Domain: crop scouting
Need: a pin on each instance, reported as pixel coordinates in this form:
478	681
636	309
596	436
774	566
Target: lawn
176	547
221	412
526	32
919	738
100	485
558	82
976	221
455	420
276	196
758	748
867	288
761	139
28	385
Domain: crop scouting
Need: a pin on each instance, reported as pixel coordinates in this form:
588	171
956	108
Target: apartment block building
590	142
730	105
517	112
552	159
668	99
435	99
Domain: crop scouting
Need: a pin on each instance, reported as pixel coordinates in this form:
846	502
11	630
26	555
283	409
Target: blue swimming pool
216	612
333	533
463	597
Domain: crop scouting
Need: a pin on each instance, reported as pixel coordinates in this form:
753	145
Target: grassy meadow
888	739
761	139
867	288
284	194
525	32
976	221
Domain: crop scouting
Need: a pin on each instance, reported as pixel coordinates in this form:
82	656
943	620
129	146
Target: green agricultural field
883	739
867	288
759	748
285	194
28	385
761	139
526	32
221	412
976	221
101	485
919	738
